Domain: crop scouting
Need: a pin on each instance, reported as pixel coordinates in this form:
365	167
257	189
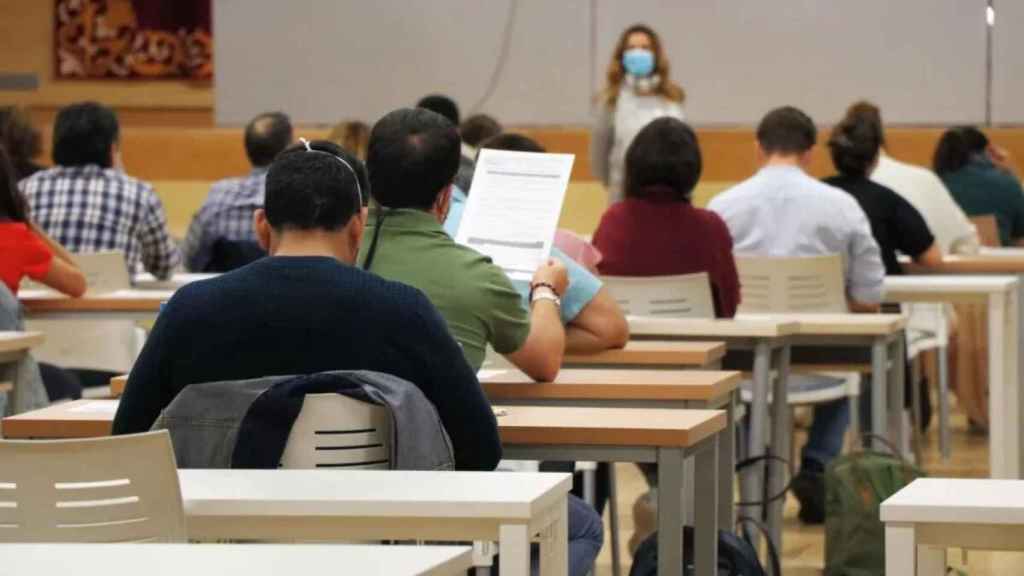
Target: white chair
928	329
115	489
681	296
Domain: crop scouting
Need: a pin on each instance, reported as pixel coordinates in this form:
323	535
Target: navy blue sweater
302	315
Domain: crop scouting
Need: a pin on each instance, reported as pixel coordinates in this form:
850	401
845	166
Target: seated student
474	131
656	231
968	166
88	204
412	159
351	135
896	225
593	320
226	215
953	232
781	211
307	309
445	106
21	140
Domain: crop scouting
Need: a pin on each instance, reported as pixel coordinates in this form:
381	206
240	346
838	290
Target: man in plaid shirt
88	204
227	214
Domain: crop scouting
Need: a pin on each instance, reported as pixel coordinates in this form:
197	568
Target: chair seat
811	388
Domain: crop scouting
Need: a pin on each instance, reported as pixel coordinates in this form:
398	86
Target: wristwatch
546	295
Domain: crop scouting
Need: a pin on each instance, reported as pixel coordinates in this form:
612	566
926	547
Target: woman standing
638	90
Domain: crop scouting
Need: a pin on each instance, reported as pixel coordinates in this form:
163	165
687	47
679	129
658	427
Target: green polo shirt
982	189
473	295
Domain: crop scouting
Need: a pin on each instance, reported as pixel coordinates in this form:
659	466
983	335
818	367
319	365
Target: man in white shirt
953	231
781	211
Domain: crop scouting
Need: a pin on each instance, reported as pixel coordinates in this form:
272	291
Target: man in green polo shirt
413	156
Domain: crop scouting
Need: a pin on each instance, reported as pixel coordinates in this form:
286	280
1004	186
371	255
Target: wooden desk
662	436
1000	296
248	559
136	305
932	514
117	384
75	419
149	282
650	354
14	346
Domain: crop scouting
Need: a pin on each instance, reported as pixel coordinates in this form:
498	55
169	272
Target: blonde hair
616	73
353	136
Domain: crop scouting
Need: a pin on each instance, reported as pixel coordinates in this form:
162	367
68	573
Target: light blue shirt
781	211
583	285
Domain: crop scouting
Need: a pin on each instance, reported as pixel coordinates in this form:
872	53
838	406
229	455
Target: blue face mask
638	62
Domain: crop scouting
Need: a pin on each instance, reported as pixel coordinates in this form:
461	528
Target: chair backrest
988	230
681	296
792	284
115	489
335	431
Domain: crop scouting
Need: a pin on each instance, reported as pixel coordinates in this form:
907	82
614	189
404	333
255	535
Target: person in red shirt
655	230
25	251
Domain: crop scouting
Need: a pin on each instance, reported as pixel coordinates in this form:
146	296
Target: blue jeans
586	535
828	428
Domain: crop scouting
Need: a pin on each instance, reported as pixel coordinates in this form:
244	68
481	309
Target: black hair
957	147
786	130
310	190
512	141
12	203
441	104
477	128
854	145
266	136
664	160
865	112
84	133
413	155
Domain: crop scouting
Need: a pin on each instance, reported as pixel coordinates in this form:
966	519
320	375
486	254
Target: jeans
828	429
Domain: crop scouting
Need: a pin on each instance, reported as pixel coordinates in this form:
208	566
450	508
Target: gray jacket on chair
245	424
29	392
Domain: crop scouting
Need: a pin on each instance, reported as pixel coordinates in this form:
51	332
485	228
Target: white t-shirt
953	232
632	112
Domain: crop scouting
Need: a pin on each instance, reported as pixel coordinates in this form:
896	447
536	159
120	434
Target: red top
22	253
657	238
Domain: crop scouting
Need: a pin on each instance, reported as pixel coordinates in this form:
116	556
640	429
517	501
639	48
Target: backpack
855	487
736	556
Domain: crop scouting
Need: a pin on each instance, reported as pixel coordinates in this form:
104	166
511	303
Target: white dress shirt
953	232
781	211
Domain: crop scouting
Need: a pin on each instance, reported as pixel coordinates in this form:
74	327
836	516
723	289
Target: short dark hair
441	104
310	190
266	136
663	160
867	113
12	203
854	145
477	128
414	153
84	133
786	130
512	141
957	147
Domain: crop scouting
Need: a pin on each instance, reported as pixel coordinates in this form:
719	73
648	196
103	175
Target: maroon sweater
662	238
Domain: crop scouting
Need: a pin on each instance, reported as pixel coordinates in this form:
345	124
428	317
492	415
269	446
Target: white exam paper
96	407
513	208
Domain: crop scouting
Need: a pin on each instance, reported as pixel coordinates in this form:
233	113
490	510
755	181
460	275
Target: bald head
266	136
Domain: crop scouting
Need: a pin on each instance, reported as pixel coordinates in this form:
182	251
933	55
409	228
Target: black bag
736	556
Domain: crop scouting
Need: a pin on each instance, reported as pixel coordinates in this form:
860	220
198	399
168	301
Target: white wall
324	60
1008	53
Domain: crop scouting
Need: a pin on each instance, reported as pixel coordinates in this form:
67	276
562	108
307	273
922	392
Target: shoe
809	489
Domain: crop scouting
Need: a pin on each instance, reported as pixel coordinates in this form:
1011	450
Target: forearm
59	251
540	356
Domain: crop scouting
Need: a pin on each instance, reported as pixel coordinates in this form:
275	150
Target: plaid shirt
93	209
226	214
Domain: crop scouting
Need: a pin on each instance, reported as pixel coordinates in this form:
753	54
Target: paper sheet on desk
513	208
96	407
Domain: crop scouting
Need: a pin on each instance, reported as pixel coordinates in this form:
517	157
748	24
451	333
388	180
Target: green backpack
855	486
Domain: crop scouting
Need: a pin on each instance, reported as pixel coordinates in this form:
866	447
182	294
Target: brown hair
18	136
616	73
864	112
352	135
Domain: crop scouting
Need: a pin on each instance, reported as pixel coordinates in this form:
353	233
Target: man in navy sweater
307	309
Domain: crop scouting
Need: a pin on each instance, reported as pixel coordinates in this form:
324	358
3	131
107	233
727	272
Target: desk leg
781	441
705	489
903	555
670	512
1004	388
514	547
879	390
752	482
727	466
897	391
554	547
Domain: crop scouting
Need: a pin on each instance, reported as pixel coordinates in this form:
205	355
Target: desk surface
370	493
653	353
957	501
119	301
992	261
840	324
20	341
117	384
593	384
75	419
711	327
932	288
566	425
149	282
249	559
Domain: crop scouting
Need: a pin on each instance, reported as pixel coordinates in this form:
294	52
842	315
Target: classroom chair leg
944	446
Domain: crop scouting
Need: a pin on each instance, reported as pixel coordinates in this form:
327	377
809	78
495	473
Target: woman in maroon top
656	231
